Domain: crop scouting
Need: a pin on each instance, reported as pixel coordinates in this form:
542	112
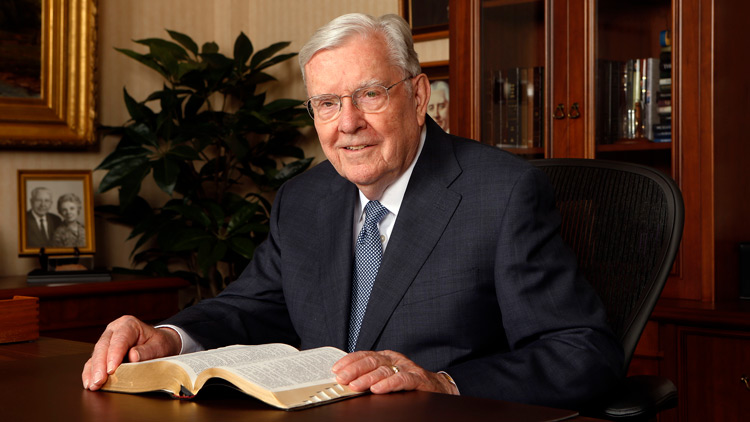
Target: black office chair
624	222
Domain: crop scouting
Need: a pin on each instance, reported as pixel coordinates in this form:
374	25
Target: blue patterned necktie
367	255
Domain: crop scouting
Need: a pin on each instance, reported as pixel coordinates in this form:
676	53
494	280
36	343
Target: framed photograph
439	105
428	18
47	59
55	212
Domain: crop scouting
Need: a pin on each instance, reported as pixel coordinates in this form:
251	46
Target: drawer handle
559	112
746	381
574	112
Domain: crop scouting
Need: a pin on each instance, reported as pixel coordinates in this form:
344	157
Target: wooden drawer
712	365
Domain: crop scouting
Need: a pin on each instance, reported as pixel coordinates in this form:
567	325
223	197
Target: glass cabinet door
512	63
633	81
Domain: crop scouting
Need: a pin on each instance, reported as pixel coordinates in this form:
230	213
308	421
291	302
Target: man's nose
351	117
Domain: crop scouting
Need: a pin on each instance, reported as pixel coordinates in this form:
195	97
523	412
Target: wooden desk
81	311
49	388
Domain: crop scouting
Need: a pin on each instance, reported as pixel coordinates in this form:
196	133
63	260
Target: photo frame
438	106
61	111
65	199
428	18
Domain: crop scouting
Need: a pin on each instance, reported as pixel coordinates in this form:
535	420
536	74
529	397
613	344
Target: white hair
395	32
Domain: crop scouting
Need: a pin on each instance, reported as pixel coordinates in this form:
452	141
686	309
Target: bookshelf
708	154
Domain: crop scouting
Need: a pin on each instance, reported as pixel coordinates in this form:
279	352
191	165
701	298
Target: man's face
41	203
438	109
370	150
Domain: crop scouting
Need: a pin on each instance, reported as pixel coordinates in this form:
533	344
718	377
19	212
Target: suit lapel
426	210
336	210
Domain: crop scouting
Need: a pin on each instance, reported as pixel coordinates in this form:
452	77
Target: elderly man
435	260
40	223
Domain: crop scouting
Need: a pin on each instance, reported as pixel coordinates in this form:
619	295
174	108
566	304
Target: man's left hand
387	371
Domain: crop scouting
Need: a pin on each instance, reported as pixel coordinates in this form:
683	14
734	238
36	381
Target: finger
124	335
160	342
401	381
374	377
95	370
354	365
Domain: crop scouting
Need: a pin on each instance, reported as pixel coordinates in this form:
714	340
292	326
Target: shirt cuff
189	345
450	380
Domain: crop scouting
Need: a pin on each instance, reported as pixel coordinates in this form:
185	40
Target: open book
278	374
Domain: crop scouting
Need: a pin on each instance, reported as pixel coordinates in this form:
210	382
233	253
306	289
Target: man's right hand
127	335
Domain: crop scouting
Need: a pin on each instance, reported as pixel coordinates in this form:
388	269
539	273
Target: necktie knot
374	212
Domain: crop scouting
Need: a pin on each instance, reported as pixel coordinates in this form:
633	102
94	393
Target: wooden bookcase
708	155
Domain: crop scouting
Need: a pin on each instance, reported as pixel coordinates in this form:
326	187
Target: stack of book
517	112
626	102
663	128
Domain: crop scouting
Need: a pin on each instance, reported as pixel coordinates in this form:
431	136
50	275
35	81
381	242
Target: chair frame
639	397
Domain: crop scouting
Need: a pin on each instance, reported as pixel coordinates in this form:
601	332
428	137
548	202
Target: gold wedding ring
395	369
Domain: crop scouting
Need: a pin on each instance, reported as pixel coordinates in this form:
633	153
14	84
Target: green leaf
123	154
184	40
142	134
138	112
185	152
281	105
192	213
182	239
161	48
121	172
275	60
240	217
244	246
290	170
166	171
145	59
267	52
209	253
131	186
243	49
210	48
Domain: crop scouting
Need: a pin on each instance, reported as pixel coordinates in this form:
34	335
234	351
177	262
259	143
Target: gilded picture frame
64	198
63	114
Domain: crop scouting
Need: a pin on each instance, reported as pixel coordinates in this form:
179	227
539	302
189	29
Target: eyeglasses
368	99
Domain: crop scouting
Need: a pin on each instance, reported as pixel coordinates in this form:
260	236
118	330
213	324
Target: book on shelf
518	107
650	92
277	374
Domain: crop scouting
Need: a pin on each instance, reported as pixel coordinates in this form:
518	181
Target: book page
229	357
306	368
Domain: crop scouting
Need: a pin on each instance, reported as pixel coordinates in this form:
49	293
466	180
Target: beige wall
120	22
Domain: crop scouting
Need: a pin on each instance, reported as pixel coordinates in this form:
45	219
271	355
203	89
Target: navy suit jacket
475	280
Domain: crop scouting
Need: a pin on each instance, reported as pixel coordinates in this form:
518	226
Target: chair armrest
639	397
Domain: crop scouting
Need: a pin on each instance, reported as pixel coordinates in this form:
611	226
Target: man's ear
421	96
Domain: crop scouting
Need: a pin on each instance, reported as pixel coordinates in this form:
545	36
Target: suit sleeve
252	309
561	349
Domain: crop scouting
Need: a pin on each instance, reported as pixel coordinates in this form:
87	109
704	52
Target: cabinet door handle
559	112
574	111
746	381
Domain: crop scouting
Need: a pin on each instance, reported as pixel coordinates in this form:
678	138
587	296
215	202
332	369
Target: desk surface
48	387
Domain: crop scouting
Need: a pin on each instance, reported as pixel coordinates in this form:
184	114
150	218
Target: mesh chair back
624	222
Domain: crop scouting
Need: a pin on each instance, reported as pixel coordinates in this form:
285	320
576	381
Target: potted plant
215	147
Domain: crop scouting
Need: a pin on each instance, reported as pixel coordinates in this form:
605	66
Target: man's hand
127	335
387	371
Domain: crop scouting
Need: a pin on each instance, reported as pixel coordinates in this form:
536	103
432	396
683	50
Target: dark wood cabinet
81	311
708	154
